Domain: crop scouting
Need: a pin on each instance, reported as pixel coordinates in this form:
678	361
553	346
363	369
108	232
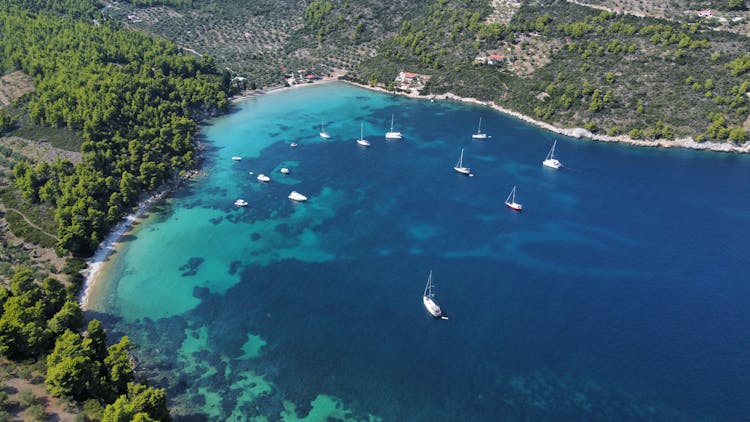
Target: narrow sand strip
110	243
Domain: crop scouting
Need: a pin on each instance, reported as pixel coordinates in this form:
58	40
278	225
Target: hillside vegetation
264	40
94	116
589	68
567	64
127	104
727	15
131	98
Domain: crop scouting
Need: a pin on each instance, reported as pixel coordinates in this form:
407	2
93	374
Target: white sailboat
460	165
551	161
263	178
479	134
284	170
236	158
362	141
428	298
240	203
510	201
391	134
323	133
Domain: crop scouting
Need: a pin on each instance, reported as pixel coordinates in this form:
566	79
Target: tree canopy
133	98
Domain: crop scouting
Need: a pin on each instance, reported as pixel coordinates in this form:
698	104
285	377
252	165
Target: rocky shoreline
577	132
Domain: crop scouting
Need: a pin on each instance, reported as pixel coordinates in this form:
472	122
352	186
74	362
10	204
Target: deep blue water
619	293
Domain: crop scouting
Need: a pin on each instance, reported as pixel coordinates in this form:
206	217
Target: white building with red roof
408	81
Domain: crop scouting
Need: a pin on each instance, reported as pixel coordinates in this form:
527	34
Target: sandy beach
97	263
333	77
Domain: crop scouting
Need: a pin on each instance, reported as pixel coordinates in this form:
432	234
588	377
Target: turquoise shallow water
620	292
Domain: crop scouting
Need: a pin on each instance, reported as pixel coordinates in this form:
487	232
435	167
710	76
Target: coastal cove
612	295
688	143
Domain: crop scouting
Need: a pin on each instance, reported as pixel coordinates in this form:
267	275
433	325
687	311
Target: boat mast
479	128
428	287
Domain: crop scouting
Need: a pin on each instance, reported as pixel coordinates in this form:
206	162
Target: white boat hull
325	135
240	203
363	142
393	135
479	136
235	158
514	206
263	178
284	170
463	170
552	163
432	307
296	196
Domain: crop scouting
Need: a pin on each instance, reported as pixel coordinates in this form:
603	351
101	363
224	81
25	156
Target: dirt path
15	386
30	223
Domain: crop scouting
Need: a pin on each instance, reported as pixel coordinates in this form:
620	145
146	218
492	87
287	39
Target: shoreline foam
109	245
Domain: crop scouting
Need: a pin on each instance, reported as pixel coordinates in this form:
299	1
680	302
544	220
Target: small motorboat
296	196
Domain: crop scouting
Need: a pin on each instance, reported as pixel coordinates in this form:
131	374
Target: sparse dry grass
13	250
503	11
263	43
680	11
14	85
24	384
37	151
529	54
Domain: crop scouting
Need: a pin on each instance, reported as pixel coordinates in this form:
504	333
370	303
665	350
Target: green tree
736	4
70	317
4	295
9	338
22	281
737	134
54	295
70	370
739	65
140	399
6	122
119	365
96	340
71	377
